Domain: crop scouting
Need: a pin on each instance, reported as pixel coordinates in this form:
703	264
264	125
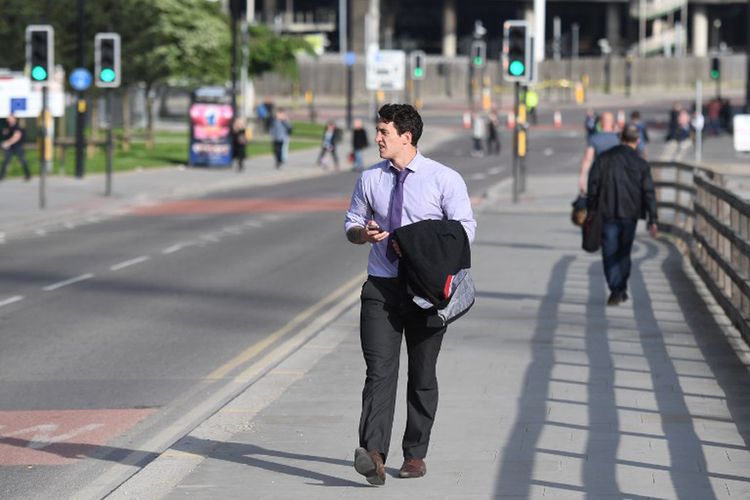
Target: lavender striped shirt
431	191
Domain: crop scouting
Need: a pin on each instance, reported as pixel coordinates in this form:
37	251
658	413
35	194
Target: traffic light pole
108	187
43	151
516	162
80	100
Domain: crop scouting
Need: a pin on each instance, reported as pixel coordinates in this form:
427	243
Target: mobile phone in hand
375	228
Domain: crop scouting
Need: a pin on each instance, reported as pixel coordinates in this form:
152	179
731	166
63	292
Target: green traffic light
418	72
477	61
38	73
107	75
517	68
714	74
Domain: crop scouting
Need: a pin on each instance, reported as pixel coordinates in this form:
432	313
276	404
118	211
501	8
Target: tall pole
81	102
45	153
747	59
234	65
344	49
516	162
110	120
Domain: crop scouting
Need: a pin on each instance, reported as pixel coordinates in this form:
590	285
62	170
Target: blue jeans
617	242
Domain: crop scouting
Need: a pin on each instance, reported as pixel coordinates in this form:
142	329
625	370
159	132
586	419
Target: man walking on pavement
598	143
621	187
13	145
404	188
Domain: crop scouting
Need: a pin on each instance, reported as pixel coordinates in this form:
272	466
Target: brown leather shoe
370	464
413	467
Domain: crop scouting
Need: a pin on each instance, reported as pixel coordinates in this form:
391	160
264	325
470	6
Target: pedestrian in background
590	123
493	139
674	113
532	101
403	189
598	143
12	142
239	143
478	133
621	187
635	119
280	131
331	137
359	143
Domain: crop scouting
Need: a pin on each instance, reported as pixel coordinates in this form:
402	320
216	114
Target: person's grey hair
630	134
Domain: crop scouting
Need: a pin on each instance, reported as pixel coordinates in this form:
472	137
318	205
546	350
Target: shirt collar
413	164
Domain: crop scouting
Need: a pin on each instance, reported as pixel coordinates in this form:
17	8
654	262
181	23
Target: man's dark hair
635	115
405	118
630	134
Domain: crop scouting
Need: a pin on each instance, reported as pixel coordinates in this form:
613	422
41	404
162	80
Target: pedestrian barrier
712	225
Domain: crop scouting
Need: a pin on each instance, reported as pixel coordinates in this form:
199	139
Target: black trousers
388	314
17	150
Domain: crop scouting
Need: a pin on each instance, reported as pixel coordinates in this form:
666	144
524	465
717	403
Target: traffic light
478	53
715	67
417	64
107	60
516	51
40	52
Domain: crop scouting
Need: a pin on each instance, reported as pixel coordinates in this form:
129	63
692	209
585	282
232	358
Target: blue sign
17	104
80	79
350	58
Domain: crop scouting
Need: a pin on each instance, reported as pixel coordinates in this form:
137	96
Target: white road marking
129	263
478	177
177	246
495	170
11	300
61	284
69	225
40	232
549	151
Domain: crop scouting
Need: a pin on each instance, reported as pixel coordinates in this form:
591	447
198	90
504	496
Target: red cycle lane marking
237	206
58	437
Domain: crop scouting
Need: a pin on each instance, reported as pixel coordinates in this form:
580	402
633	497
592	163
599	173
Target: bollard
557	119
620	118
511	121
467	120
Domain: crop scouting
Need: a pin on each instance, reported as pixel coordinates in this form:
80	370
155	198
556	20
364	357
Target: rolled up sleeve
359	210
457	204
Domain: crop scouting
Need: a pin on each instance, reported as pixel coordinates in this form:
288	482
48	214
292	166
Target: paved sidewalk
545	391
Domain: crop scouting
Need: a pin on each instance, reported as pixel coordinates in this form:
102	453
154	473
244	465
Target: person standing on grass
12	143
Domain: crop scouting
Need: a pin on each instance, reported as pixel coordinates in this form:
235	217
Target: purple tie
395	211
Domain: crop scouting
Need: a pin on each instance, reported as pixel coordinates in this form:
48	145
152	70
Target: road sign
22	97
350	58
80	79
386	70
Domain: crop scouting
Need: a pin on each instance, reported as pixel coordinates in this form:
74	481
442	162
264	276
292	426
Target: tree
275	53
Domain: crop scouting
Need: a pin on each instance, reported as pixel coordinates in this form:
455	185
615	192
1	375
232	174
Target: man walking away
620	185
403	189
493	139
280	131
13	145
598	143
331	138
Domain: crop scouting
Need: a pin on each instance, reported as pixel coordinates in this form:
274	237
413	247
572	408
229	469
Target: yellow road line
298	320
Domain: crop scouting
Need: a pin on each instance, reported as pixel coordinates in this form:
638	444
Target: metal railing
712	225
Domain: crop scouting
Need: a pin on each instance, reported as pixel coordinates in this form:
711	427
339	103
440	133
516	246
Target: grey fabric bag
461	300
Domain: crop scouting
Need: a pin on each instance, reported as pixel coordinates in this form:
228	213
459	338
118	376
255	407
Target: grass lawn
171	148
